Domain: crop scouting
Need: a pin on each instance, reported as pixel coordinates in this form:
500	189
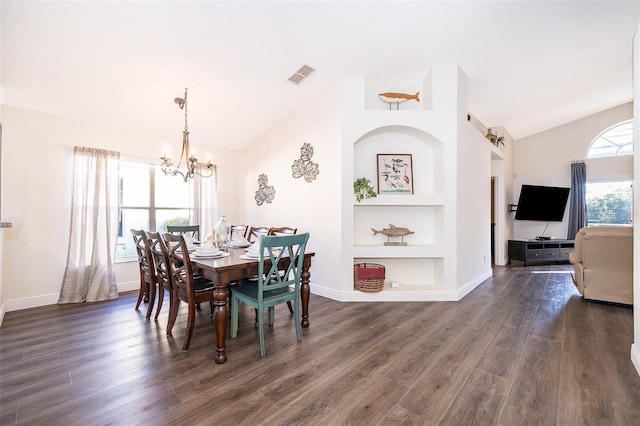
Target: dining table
228	269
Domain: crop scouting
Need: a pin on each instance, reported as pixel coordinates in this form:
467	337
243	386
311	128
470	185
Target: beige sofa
603	263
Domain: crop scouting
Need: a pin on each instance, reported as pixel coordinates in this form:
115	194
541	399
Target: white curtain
89	275
205	202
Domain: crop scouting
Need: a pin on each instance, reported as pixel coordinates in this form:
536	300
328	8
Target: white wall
312	207
318	207
37	168
502	170
473	204
545	159
635	348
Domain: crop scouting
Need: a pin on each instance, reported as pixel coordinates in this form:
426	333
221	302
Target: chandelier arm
207	174
190	161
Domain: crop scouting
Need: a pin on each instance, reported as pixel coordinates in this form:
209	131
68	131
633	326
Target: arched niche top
413	132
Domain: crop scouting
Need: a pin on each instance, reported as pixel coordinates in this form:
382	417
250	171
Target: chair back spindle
255	232
187	288
163	269
148	279
183	229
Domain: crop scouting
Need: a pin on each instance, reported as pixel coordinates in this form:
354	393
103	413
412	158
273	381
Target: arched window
610	201
614	141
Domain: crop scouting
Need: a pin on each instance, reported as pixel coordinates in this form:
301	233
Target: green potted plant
363	189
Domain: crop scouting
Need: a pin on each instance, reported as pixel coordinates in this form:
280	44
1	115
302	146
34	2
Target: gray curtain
89	274
577	199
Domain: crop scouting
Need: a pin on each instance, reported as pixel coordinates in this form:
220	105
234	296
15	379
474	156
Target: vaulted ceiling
531	65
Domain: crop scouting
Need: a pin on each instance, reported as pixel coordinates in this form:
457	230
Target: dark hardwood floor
522	348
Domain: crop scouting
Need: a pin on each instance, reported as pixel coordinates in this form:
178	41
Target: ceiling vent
301	74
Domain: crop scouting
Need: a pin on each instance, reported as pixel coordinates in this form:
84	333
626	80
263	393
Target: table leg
220	314
305	291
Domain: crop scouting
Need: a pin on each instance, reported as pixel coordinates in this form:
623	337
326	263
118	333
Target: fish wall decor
397	98
393	231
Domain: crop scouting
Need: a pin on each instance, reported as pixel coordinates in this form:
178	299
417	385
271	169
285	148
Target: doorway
493	220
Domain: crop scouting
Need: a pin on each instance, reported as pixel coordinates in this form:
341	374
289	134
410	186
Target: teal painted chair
272	287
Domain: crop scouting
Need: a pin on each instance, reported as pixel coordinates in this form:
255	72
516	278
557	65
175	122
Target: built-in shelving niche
419	265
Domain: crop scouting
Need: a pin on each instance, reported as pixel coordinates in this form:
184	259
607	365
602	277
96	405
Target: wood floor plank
612	333
583	374
479	401
452	364
522	348
371	405
548	322
504	352
331	391
533	396
398	415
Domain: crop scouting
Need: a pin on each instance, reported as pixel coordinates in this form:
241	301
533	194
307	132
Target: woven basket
368	277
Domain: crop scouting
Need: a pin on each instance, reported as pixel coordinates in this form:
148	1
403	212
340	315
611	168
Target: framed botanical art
395	174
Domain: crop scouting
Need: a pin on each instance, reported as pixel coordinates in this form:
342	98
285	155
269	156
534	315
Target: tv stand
540	251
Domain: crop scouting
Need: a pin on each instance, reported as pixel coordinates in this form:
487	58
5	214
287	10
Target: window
609	203
149	200
614	141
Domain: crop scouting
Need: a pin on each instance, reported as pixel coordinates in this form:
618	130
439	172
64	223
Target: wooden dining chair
282	230
185	287
183	229
255	232
148	278
238	231
163	268
272	287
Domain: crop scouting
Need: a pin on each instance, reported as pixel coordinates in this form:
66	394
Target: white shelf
403	200
398	252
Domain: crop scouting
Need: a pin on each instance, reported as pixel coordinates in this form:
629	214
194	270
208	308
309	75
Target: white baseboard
51	299
3	309
635	356
471	285
32	302
403	294
128	286
329	293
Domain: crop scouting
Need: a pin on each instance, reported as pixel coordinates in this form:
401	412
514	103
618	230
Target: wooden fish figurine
393	231
397	98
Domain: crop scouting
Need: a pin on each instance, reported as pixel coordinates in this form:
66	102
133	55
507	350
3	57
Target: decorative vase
492	138
222	233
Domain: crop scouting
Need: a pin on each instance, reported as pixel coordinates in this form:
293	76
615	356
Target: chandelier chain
191	162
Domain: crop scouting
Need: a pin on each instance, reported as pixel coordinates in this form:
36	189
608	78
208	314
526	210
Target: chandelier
191	162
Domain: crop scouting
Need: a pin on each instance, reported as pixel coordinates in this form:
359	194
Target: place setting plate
247	256
210	256
190	250
245	245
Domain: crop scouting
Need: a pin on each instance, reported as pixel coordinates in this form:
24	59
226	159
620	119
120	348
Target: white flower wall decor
304	167
264	193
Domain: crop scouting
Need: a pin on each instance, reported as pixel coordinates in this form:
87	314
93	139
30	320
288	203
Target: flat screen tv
544	203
